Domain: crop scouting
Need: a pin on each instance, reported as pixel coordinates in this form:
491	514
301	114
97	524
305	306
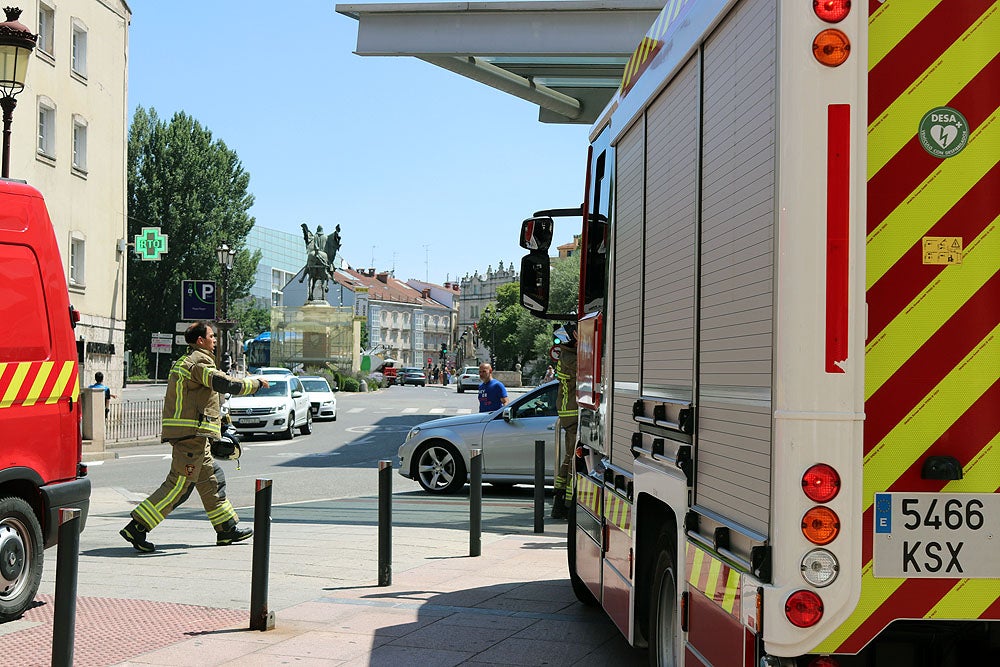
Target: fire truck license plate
937	535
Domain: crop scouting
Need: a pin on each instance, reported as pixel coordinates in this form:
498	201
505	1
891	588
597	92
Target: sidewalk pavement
188	602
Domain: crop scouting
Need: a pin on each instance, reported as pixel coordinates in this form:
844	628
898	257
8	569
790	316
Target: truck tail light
821	525
831	47
804	609
820	568
832	11
821	483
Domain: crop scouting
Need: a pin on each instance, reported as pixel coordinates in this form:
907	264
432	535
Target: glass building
283	254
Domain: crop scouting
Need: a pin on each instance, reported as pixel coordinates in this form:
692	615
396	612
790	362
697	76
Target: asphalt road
333	472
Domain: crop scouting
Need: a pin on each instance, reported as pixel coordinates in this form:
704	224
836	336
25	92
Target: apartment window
79	143
46	29
79	58
46	127
77	259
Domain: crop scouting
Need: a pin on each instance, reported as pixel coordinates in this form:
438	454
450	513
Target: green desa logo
943	132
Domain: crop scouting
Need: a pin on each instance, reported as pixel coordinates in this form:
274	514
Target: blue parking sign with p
198	300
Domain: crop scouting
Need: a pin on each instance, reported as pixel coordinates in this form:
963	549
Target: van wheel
663	623
289	432
307	428
21	557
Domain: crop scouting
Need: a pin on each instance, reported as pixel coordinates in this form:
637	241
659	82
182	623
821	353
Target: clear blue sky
400	153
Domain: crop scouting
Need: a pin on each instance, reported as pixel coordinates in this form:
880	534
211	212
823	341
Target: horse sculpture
322	251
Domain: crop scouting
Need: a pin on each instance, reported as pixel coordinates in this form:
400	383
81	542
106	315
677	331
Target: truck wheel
580	589
21	557
662	630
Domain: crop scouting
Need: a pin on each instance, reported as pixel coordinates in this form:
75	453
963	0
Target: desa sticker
943	132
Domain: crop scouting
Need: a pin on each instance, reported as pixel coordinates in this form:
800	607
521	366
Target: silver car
436	453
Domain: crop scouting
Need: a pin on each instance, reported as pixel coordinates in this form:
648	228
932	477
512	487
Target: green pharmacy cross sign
150	244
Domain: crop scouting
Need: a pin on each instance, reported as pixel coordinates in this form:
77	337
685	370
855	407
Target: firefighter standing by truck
567	421
191	421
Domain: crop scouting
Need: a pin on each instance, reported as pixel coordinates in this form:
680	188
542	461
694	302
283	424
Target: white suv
280	408
469	379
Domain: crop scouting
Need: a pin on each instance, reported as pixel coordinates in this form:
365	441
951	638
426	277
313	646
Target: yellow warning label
942	249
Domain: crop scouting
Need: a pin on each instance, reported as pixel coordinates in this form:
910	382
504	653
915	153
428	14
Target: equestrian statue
321	255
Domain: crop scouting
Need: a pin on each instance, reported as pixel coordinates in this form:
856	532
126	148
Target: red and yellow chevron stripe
29	382
618	512
932	384
716	580
650	45
588	494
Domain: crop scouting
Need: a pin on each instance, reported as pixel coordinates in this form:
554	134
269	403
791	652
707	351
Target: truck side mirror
536	234
535	281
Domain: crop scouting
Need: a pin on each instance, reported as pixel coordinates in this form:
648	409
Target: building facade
69	140
282	255
478	291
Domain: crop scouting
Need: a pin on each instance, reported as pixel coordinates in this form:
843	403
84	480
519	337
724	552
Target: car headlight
327	404
413	432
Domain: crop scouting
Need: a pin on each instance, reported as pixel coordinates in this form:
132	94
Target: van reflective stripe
26	383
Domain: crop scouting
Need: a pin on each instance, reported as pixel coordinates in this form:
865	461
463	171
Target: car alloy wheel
440	469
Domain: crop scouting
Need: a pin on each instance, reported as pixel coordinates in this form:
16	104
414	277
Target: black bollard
475	502
385	522
539	486
260	617
67	561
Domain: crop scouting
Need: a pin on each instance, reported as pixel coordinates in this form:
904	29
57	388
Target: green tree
250	318
195	189
513	335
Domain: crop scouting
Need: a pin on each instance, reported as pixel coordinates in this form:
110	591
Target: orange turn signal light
831	47
821	525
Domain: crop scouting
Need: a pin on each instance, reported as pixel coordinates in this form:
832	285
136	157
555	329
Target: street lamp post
16	45
225	255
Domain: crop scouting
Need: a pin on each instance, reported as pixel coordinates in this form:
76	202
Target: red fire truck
789	336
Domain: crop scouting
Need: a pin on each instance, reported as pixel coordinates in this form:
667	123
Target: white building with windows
69	140
479	291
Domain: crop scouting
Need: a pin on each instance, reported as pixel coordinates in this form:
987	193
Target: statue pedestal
315	335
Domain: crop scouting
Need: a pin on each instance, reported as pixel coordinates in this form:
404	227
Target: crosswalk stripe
354	410
463	411
435	411
408	411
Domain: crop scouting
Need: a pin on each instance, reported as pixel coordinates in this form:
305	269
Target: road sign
198	299
554	353
162	343
150	244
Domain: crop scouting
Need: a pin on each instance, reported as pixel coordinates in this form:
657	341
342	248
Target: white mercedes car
281	408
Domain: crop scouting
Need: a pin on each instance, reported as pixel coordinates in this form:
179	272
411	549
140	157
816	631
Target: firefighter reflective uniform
191	421
565	428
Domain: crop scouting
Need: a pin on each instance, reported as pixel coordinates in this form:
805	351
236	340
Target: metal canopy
566	57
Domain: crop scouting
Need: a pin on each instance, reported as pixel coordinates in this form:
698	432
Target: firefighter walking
567	421
191	422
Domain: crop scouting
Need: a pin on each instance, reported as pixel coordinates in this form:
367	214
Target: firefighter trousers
565	451
192	464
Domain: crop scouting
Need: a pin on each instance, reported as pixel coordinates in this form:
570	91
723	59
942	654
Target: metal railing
134	420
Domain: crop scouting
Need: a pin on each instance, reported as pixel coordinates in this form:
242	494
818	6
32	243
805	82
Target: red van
40	417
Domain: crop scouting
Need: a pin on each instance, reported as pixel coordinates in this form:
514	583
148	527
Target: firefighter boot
234	534
135	533
559	505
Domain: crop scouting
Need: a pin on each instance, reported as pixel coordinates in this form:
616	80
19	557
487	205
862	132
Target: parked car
414	376
280	408
436	453
469	379
272	370
322	400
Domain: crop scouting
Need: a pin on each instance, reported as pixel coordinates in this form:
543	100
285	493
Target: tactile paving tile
111	630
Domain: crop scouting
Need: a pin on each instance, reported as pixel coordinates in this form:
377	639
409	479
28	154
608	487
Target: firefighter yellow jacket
566	374
191	406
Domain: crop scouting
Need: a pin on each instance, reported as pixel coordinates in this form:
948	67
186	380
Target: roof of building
382	286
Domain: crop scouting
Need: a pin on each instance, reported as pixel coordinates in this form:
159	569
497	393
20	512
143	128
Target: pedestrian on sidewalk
191	421
99	384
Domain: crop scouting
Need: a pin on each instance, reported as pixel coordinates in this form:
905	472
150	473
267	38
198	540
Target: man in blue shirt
492	393
99	384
